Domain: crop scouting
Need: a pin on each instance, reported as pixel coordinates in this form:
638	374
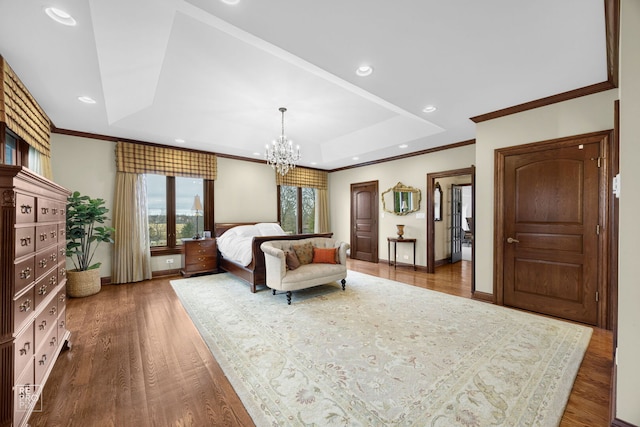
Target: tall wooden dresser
32	299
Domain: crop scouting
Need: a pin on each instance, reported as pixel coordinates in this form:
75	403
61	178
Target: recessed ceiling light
60	16
429	109
403	146
257	154
364	70
231	2
179	141
355	158
86	99
314	163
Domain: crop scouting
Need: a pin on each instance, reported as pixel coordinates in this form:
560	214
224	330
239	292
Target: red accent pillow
324	255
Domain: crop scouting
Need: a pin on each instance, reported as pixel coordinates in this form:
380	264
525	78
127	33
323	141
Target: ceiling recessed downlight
364	70
231	2
403	145
60	16
355	158
86	99
179	141
429	109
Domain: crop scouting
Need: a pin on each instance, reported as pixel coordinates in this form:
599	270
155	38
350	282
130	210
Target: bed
254	272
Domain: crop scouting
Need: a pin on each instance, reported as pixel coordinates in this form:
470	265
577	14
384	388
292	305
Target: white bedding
235	243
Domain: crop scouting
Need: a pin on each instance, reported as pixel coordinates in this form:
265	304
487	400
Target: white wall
628	377
578	116
245	192
87	166
411	171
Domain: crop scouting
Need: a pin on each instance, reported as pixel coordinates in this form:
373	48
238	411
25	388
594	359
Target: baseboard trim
162	273
483	296
619	423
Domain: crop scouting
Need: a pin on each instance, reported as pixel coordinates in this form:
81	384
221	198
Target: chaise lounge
299	264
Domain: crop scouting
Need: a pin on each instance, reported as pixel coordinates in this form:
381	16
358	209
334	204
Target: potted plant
84	235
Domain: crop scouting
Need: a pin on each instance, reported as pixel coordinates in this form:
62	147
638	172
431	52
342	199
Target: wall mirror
437	203
401	199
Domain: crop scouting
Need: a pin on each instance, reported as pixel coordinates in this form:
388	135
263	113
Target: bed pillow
324	255
304	252
270	229
291	259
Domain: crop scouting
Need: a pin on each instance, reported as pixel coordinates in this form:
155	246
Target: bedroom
579	116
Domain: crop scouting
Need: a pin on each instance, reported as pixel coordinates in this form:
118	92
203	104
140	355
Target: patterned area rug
384	353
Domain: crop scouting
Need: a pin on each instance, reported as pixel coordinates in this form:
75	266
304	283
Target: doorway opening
450	218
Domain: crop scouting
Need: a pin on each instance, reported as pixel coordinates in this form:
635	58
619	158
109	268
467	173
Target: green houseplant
84	234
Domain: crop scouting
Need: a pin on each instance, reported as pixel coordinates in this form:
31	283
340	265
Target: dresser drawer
44	355
45	285
46	320
25	274
24	349
25	208
25	241
23	307
24	393
46	235
45	261
48	210
200	264
200	247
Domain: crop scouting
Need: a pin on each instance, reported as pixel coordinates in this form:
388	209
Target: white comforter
235	243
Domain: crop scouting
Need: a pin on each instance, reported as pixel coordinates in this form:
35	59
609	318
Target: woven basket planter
83	283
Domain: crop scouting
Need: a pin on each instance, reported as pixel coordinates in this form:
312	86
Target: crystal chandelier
281	155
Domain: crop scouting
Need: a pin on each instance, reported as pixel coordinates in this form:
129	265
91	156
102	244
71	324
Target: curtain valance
143	158
21	113
303	177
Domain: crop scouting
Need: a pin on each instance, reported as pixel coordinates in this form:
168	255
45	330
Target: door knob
512	240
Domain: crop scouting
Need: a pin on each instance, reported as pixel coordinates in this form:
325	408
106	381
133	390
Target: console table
395	241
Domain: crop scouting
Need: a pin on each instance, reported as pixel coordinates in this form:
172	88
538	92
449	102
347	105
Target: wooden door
456	223
551	226
364	221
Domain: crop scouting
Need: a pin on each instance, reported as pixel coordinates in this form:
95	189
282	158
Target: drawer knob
25	306
42	325
43	289
53	257
43	360
61	324
54	211
53	311
44	210
25	348
62	297
25	241
42	263
63	272
25	209
43	237
52	343
53	234
52	280
26	273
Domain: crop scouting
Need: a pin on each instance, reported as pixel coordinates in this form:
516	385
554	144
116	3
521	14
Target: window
169	203
297	209
13	150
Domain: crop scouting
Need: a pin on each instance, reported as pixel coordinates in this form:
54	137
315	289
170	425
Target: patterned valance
143	158
302	177
21	113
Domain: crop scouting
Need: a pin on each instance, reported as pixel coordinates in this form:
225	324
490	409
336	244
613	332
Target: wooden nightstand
199	256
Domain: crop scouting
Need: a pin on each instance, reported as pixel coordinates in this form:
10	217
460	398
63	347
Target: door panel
456	223
550	220
364	221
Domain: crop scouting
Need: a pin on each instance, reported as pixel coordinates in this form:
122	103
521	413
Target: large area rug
384	353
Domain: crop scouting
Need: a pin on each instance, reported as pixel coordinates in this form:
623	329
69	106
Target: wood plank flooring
138	360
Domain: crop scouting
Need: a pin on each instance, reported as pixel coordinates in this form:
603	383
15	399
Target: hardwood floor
138	360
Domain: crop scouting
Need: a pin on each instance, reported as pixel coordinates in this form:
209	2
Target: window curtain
312	178
131	251
40	163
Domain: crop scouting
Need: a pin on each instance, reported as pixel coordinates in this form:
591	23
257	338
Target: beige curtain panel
131	252
21	113
322	224
142	158
303	177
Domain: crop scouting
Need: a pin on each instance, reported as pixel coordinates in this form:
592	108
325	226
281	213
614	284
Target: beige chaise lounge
280	277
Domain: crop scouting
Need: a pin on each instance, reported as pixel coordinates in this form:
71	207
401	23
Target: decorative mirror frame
401	188
437	202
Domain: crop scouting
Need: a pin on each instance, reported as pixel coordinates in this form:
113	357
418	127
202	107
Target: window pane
288	209
157	208
10	150
308	209
186	216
